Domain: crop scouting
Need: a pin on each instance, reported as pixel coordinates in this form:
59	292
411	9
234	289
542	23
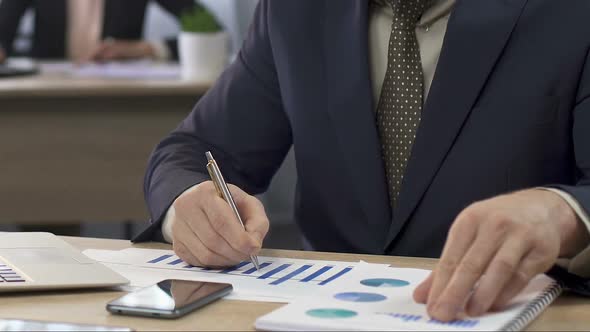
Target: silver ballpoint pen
223	192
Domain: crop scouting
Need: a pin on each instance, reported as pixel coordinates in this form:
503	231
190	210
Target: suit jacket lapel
350	105
476	36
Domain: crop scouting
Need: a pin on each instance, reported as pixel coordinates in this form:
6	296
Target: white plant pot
203	56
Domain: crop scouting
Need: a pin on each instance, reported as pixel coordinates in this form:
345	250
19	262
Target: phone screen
174	296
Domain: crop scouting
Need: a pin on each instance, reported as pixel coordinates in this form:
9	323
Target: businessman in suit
84	30
452	129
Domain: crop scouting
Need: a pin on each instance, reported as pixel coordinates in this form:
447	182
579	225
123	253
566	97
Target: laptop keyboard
7	274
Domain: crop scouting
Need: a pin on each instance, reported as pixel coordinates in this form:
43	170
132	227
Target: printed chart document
278	280
381	299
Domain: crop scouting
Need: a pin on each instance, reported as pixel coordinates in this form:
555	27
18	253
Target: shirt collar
436	10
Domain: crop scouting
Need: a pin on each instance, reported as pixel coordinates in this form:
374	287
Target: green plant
199	20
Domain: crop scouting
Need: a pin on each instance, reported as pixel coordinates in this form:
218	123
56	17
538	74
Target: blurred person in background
88	30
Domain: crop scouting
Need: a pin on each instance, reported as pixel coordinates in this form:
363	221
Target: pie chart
331	313
385	283
360	297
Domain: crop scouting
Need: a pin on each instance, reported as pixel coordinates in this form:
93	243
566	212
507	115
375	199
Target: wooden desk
567	313
76	149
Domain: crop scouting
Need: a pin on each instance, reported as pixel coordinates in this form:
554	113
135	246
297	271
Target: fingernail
445	313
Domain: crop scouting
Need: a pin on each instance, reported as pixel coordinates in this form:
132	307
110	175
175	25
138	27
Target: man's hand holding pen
206	232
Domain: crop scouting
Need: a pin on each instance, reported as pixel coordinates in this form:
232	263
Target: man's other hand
110	50
206	232
495	247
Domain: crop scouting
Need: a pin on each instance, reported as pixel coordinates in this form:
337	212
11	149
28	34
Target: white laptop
42	261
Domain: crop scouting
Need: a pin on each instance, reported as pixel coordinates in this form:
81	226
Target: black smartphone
169	298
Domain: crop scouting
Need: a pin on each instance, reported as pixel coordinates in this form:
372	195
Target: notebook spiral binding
531	311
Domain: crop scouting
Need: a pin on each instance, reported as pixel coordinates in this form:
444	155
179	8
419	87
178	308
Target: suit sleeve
241	120
580	265
176	8
11	12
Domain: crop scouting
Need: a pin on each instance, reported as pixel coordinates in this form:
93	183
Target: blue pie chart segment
385	283
360	297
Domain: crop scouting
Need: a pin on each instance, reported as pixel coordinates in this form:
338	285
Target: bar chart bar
234	268
273	272
252	270
316	274
176	262
291	275
336	276
159	259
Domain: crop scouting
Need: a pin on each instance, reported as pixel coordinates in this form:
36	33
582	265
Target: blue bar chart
273	272
7	274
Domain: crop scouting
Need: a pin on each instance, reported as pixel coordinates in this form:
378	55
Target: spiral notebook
381	299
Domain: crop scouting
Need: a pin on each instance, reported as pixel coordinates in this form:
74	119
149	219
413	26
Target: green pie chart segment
331	313
385	283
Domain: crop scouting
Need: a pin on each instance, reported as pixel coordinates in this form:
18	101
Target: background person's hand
110	50
495	247
2	55
206	232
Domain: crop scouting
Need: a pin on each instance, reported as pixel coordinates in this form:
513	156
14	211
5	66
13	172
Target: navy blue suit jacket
509	109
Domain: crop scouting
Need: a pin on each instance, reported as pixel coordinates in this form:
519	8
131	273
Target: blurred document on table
142	69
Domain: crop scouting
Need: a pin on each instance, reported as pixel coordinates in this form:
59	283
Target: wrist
573	233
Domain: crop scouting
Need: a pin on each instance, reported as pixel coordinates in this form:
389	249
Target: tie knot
406	13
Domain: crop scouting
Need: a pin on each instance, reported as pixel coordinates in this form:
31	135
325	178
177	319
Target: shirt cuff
161	51
580	264
170	218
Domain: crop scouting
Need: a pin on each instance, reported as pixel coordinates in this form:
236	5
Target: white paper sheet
362	305
279	280
141	69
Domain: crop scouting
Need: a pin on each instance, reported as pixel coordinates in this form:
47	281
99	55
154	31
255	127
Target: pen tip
209	155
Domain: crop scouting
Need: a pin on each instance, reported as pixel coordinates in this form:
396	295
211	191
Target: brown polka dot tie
400	104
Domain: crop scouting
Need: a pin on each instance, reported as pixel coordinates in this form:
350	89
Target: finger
224	222
97	54
200	226
421	292
200	251
531	266
498	274
254	216
459	241
185	254
110	53
455	294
